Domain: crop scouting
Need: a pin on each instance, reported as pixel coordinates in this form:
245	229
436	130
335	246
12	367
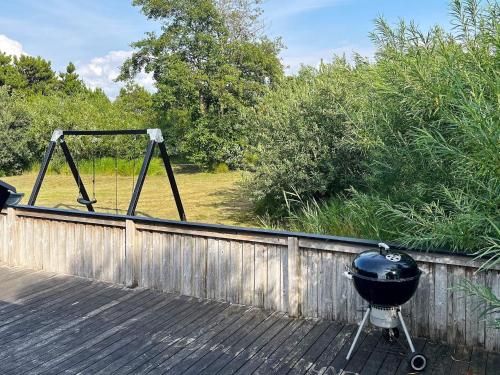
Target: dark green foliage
37	74
9	75
15	147
70	82
417	145
136	99
305	135
207	67
486	301
35	102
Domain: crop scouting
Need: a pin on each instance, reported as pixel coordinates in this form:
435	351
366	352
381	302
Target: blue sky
96	34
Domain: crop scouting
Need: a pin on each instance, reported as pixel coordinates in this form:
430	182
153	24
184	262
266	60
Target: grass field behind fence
207	197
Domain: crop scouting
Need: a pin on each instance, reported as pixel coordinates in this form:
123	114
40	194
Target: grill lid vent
385	264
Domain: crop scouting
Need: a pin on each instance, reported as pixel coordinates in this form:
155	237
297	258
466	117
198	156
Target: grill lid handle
383	247
348	272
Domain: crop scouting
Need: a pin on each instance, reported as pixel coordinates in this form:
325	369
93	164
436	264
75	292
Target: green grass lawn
207	197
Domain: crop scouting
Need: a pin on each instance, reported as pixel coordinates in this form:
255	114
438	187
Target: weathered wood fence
296	273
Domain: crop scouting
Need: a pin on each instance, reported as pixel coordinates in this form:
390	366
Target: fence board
272	300
303	297
176	263
200	268
248	264
302	277
492	338
326	285
311	300
167	262
87	250
260	274
187	265
235	285
223	269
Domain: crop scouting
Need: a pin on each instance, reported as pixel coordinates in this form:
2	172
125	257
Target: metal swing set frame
155	139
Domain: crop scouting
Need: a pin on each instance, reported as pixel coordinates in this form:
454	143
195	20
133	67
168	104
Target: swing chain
80	198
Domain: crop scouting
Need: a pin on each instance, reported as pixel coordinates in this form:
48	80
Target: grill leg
359	332
412	348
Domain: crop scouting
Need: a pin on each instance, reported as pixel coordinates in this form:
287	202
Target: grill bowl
386	293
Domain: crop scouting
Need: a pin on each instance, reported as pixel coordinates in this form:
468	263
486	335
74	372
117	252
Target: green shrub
221	168
16	150
405	148
304	136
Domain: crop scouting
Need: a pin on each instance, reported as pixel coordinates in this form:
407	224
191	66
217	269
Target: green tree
9	75
205	73
37	73
135	99
70	82
242	18
304	136
16	148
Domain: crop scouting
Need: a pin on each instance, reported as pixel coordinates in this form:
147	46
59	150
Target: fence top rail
228	229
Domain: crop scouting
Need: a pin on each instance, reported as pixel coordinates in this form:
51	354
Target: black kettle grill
9	195
386	279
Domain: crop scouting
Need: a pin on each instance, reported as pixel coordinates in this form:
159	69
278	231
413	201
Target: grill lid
385	264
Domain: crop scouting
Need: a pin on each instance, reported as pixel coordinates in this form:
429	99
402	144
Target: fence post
12	240
294	271
131	267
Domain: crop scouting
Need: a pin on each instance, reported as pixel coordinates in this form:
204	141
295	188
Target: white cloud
102	71
10	46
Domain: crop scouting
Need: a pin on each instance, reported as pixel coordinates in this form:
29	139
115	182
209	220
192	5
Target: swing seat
86	202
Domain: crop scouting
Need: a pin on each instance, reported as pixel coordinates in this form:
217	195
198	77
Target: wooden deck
51	324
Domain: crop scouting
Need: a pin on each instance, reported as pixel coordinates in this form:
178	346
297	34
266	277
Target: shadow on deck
59	324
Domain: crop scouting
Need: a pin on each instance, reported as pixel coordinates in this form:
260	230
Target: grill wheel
418	362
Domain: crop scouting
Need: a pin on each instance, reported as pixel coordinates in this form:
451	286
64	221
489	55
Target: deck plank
144	341
229	352
25	321
68	325
265	353
339	362
70	352
247	354
87	330
304	347
227	343
200	351
33	348
165	319
493	365
461	360
281	355
169	356
363	352
305	362
38	339
478	361
332	350
378	356
171	333
160	348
